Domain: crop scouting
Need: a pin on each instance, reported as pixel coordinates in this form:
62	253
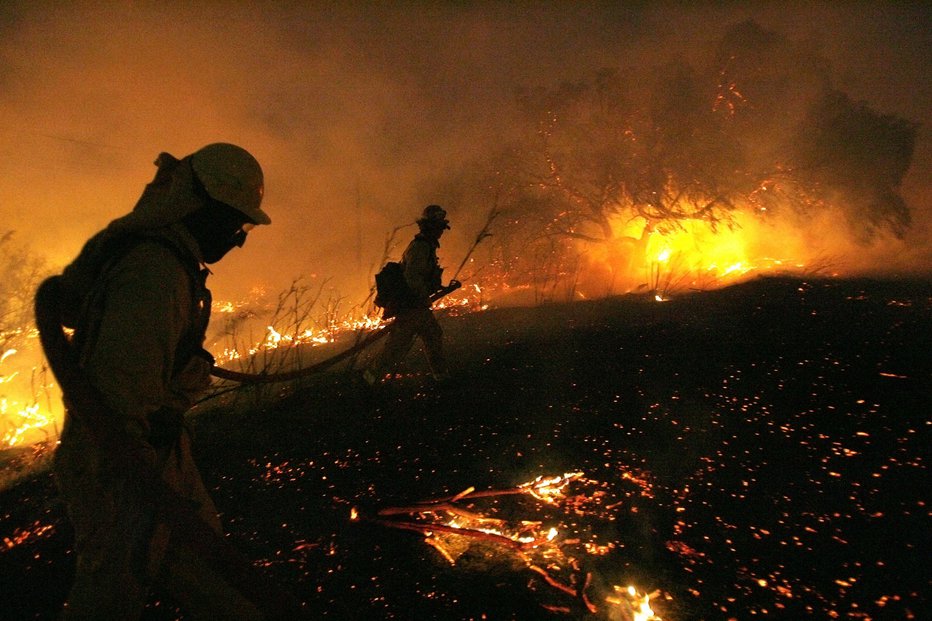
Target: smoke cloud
355	111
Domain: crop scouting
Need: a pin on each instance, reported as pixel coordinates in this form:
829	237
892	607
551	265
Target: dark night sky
350	107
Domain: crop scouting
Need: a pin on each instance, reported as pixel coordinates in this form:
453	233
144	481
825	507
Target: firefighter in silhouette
412	311
140	308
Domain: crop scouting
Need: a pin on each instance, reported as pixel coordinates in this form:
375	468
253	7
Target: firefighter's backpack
391	288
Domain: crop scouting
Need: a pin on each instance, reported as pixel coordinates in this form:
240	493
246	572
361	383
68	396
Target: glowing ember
632	604
550	489
6	355
25	535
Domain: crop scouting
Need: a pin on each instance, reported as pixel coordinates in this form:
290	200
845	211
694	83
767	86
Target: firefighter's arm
145	308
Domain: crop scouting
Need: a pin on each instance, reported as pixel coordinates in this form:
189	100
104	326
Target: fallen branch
542	554
429	529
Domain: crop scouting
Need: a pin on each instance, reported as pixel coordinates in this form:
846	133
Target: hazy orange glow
353	128
694	257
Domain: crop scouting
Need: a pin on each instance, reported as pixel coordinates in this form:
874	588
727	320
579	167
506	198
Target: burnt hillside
760	449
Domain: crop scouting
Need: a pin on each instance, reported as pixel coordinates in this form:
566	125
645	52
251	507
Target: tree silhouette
849	156
756	127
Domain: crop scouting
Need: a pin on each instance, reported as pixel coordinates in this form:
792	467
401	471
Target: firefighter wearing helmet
140	310
413	315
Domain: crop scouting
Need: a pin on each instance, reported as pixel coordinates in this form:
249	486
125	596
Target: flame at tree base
693	255
690	255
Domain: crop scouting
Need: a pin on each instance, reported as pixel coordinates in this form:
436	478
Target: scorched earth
758	451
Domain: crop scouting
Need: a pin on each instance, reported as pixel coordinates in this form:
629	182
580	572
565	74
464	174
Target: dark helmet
434	216
231	175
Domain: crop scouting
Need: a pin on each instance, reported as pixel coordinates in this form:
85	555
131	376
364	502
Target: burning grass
272	334
753	452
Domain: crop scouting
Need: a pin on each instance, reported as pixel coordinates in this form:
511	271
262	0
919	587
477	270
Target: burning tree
601	165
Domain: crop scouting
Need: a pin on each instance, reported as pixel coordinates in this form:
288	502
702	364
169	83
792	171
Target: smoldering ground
757	451
358	112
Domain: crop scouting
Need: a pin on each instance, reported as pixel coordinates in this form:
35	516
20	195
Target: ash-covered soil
759	451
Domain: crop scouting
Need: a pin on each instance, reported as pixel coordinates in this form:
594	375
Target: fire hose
187	528
268	378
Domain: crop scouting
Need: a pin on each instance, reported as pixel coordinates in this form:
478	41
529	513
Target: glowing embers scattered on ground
552	549
819	481
37	530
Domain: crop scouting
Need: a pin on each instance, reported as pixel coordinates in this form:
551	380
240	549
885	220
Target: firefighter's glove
188	385
453	286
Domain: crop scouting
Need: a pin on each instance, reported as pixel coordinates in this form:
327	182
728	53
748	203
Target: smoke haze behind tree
357	113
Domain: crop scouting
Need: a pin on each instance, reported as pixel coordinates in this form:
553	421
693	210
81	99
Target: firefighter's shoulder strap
86	402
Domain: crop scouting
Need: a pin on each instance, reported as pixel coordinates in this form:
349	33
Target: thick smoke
357	111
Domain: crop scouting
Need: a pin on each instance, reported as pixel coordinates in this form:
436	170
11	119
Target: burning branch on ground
451	524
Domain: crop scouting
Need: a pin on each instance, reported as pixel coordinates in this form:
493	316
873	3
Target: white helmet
231	175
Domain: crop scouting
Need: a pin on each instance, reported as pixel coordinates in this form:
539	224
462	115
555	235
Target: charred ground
760	449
